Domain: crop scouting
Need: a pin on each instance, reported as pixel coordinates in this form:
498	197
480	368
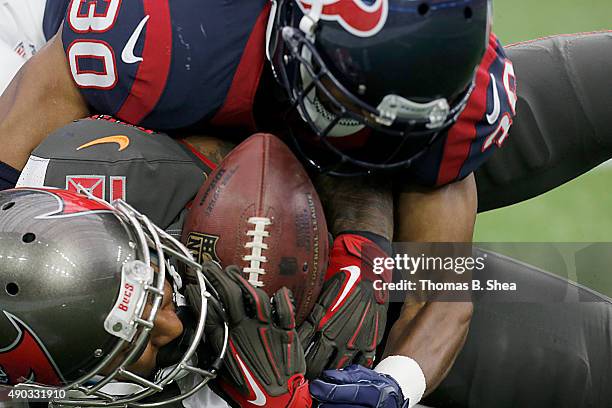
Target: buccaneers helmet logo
71	204
26	358
359	17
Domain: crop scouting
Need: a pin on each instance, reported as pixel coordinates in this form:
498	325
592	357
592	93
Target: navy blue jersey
55	10
481	128
167	64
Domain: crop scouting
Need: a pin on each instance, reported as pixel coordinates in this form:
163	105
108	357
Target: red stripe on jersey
463	132
153	70
237	110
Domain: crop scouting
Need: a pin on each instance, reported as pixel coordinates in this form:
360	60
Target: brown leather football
260	211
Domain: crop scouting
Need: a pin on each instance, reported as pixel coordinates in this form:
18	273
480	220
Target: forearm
446	214
433	333
433	338
40	99
357	204
349	318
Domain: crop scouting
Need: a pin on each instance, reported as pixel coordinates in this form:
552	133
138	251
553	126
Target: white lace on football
256	245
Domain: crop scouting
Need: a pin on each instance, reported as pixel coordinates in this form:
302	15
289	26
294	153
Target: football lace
256	245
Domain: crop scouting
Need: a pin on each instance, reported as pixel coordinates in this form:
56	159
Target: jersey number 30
86	16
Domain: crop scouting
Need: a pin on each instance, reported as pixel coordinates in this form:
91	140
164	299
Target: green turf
519	20
577	212
580	210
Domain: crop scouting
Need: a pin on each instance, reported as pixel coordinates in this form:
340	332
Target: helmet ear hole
8	206
468	13
28	237
12	289
423	9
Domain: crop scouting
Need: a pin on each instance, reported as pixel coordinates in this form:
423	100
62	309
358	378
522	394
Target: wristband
408	374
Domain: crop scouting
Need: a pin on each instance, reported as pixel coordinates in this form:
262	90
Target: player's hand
264	364
357	386
348	320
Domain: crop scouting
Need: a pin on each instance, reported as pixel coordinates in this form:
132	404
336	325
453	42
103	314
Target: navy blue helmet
391	74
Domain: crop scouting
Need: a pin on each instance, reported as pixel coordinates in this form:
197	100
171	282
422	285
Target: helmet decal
71	204
359	17
26	358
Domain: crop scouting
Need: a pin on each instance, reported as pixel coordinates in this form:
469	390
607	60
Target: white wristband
408	375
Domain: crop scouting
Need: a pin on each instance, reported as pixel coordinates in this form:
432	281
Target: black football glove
264	364
348	320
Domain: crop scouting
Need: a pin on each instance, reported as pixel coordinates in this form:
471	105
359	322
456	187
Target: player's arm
433	333
357	203
348	320
41	98
549	145
428	336
425	340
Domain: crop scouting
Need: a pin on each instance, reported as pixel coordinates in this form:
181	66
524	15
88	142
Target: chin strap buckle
392	107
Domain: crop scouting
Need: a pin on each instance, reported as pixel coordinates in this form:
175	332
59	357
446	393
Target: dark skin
44	83
357	203
433	333
167	327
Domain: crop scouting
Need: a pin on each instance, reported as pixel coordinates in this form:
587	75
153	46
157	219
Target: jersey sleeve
162	64
481	128
53	17
103	65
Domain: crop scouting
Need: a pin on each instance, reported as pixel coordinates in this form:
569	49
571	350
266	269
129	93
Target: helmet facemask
144	279
408	127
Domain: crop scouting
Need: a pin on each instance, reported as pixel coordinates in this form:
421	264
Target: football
260	211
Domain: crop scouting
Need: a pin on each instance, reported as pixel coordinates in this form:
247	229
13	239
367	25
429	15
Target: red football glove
348	320
264	364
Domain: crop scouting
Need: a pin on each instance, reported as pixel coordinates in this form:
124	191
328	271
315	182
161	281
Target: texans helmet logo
26	358
359	17
71	204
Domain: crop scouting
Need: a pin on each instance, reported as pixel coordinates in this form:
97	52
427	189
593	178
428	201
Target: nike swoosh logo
260	398
121	140
127	55
493	116
353	278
